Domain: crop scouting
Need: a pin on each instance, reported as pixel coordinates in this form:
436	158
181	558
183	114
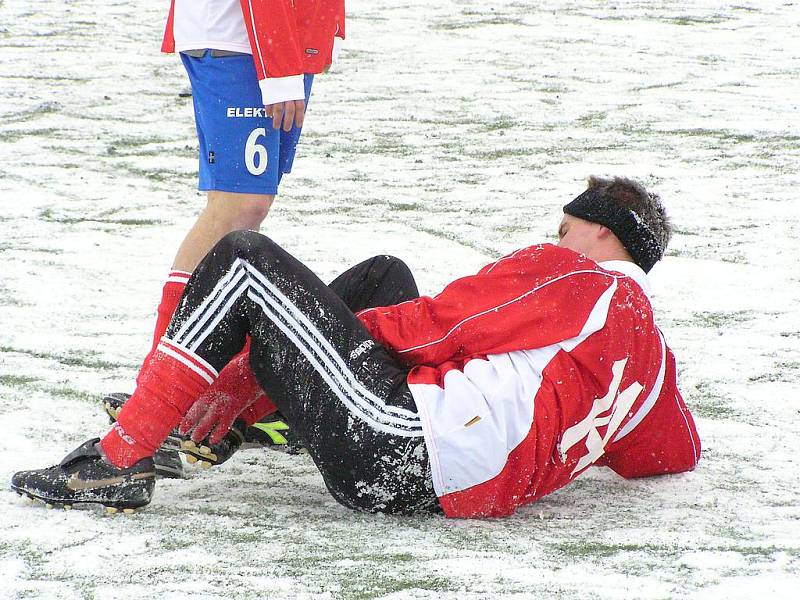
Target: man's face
578	235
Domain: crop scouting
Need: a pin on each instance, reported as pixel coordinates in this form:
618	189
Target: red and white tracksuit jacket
530	371
288	38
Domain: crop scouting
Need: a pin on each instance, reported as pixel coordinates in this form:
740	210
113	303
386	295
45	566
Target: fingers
277	114
192	416
299	113
286	114
222	428
205	425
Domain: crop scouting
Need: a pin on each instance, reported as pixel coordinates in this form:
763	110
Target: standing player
251	64
504	387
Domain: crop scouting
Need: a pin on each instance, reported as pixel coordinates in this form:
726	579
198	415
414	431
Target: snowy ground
451	132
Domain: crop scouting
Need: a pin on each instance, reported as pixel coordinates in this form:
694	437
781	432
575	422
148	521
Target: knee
242	243
250	215
238	211
386	263
394	269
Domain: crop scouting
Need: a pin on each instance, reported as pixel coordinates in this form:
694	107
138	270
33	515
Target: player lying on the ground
502	388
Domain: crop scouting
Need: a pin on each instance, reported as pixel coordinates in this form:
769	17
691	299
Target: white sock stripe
173	279
325	347
351	406
178	276
327	368
201	362
180	357
196	320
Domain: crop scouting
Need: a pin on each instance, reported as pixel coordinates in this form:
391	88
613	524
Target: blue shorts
239	149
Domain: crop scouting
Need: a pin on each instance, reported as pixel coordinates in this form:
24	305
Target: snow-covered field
449	133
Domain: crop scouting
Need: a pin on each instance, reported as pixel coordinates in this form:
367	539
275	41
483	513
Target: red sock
167	386
170	297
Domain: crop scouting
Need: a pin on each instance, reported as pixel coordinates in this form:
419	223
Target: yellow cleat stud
191	459
206	465
128	511
111	510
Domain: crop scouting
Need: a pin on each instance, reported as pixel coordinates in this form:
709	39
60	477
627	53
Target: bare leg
225	212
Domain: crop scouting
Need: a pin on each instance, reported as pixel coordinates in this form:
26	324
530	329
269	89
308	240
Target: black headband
638	239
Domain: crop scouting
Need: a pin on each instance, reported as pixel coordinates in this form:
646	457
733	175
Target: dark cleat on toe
85	477
210	454
112	404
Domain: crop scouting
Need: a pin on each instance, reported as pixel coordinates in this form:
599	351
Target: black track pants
379	281
343	394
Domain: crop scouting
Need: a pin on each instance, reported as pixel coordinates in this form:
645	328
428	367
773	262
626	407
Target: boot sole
110	507
198	454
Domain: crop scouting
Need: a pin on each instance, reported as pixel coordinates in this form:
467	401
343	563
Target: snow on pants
344	395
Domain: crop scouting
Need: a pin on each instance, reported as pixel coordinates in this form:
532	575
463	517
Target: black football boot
274	432
84	477
208	454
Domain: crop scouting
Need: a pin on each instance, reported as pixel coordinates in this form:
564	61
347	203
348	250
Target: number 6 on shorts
255	155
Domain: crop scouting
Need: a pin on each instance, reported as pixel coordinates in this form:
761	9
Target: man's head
616	219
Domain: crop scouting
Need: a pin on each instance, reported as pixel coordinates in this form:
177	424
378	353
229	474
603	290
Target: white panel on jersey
216	24
480	416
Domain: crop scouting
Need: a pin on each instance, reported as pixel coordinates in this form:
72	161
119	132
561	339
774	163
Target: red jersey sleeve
516	303
274	37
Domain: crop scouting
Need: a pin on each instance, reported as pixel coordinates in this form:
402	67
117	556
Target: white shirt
216	24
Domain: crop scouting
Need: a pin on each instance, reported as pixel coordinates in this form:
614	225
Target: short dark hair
636	216
647	205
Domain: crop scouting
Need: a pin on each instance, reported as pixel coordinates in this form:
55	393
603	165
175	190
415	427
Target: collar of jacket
630	269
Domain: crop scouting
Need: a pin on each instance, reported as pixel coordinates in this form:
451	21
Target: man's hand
286	113
212	415
217	408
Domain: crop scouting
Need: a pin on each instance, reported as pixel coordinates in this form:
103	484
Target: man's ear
604	232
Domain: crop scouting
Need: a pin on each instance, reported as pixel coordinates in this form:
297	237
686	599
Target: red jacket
287	37
530	371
